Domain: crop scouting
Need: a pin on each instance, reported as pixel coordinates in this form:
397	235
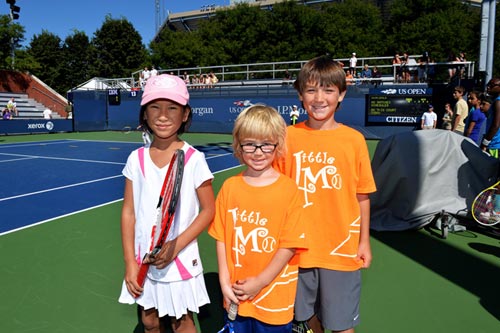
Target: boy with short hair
331	164
460	111
429	119
258	228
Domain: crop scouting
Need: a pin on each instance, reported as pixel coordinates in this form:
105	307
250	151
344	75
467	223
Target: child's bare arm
248	288
364	248
224	276
128	235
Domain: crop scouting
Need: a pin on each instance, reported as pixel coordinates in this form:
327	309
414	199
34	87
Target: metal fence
279	73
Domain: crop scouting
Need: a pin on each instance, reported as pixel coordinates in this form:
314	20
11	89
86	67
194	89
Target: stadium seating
27	108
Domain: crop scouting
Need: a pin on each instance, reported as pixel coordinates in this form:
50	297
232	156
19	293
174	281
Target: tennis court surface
62	267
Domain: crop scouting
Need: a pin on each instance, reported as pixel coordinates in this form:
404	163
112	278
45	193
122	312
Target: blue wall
35	126
214	110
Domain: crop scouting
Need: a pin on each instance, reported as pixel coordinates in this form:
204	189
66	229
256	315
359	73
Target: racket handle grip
141	276
233	311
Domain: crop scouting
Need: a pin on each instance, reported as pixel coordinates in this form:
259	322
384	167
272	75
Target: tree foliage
291	31
10	32
287	31
117	49
46	49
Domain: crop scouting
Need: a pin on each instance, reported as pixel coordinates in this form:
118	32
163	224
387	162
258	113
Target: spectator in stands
396	63
377	76
286	78
196	81
153	72
12	106
460	110
349	77
185	77
47	113
366	73
461	67
145	75
452	68
205	80
213	78
6	114
423	64
405	70
352	63
69	110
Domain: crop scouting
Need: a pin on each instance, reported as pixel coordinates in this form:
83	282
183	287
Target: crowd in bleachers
193	81
400	68
407	69
10	110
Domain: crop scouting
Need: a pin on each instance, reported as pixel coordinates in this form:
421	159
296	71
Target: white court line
209	157
60	159
83	210
30	144
56	218
16	159
59	188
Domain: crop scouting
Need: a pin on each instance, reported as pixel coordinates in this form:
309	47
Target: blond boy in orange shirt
258	228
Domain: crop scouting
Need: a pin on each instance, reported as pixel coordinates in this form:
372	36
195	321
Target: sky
62	17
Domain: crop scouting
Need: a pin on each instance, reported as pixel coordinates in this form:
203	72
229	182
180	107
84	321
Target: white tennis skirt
173	299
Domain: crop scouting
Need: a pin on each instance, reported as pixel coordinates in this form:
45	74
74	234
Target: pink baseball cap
167	87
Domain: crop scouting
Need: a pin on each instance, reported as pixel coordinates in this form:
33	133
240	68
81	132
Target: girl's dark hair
143	124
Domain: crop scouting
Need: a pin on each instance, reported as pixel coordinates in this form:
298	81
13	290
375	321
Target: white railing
273	73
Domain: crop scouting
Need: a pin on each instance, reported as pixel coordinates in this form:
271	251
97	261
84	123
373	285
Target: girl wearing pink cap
174	286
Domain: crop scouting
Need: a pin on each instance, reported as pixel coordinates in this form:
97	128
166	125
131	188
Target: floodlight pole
12	48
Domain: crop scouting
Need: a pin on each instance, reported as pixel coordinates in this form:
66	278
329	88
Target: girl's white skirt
174	299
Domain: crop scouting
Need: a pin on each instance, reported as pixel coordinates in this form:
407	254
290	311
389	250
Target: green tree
294	31
354	26
11	35
46	49
436	26
241	32
177	49
117	49
76	51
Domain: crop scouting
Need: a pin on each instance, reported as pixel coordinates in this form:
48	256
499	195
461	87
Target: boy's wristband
485	142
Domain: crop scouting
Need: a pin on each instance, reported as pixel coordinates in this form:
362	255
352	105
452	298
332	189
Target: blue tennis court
45	180
64	275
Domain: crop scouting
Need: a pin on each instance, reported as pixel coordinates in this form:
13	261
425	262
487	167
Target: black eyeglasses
252	147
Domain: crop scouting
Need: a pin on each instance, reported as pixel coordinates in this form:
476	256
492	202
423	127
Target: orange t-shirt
253	223
330	167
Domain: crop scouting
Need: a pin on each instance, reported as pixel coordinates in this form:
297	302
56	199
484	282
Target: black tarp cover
421	173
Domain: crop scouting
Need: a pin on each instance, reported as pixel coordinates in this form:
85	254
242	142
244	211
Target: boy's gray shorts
332	295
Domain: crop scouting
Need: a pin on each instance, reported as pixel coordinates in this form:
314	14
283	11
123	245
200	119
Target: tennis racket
169	196
486	206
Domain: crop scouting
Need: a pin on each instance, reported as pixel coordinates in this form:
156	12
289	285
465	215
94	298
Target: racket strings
486	208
